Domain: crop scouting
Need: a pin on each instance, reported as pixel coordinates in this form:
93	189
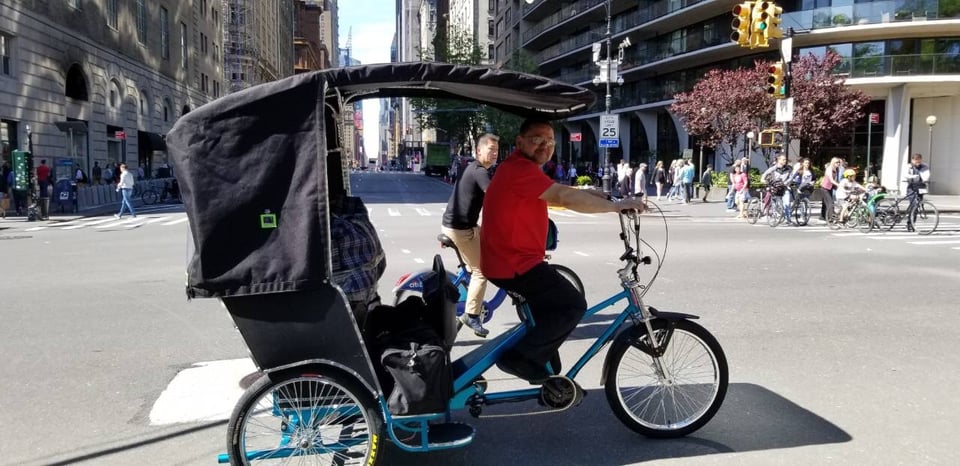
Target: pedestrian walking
706	181
623	177
125	187
731	191
572	173
659	177
686	180
640	182
828	185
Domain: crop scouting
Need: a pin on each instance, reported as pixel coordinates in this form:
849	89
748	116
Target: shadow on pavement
752	418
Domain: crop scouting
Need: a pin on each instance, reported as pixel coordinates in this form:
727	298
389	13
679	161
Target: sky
373	24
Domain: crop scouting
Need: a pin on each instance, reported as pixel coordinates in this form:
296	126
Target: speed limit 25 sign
609	131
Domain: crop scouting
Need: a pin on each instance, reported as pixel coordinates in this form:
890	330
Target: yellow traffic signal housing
771	138
759	25
775	80
741	23
773	12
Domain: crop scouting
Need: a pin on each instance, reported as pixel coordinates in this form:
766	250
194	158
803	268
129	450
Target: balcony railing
565	13
900	65
872	13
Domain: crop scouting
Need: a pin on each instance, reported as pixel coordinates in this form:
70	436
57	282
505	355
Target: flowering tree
724	106
824	108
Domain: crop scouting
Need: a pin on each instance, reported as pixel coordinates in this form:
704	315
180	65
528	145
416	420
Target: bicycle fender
413	282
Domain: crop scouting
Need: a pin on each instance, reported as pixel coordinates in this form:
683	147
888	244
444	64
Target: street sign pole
786	53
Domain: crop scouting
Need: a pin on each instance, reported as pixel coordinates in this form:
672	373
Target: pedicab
254	170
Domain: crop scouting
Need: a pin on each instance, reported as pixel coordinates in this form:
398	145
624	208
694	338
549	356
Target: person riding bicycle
848	191
916	176
513	245
777	177
460	224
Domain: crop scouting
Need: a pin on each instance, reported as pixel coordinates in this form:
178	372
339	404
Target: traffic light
773	12
22	168
759	25
741	23
775	81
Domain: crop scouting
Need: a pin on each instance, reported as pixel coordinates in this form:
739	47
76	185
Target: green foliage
584	180
503	124
720	178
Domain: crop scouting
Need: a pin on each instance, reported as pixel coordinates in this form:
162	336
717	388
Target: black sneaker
519	366
474	323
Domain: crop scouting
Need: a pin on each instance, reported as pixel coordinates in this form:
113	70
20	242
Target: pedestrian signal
772	12
771	138
776	87
741	24
22	168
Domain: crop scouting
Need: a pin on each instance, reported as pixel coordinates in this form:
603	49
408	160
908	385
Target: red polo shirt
513	232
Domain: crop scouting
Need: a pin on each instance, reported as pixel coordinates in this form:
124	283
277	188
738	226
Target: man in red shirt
513	244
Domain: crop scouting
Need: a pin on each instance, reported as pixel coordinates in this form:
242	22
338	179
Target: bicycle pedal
560	392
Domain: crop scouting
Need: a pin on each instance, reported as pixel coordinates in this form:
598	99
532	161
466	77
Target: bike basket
777	189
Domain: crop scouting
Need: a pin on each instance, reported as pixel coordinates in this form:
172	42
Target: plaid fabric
358	259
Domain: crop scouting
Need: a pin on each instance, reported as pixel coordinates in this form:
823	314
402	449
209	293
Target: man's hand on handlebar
634	204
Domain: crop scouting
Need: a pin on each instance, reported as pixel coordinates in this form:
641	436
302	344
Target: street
842	347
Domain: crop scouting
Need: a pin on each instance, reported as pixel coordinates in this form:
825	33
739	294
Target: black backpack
410	345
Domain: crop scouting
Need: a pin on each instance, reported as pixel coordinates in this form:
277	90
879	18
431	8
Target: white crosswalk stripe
174	222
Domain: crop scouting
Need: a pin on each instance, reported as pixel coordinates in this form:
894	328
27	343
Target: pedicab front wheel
304	417
674	394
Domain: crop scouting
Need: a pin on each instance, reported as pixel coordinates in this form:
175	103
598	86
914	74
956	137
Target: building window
216	52
112	13
142	21
5	51
183	45
164	33
114	97
166	110
76	87
144	104
216	88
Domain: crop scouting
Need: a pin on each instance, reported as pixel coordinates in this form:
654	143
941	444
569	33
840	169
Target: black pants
826	209
555	304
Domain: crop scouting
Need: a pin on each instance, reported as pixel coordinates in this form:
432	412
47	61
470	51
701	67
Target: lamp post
750	136
931	122
29	139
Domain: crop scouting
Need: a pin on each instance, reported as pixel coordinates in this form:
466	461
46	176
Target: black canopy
252	165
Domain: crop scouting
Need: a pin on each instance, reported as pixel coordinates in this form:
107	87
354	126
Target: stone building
101	81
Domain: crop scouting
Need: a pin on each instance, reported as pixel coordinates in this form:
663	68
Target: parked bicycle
411	284
169	193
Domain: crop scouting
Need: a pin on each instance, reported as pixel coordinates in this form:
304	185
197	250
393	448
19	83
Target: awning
151	141
75	125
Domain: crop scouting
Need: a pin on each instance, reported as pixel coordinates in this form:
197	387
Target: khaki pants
468	242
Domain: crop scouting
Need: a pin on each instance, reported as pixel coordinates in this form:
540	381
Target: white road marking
88	224
958	249
897	236
118	223
418	260
137	224
207	391
405	251
934	242
174	222
159	219
423	212
393	212
579	253
36	228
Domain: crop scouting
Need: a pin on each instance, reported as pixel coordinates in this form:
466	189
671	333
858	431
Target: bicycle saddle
446	241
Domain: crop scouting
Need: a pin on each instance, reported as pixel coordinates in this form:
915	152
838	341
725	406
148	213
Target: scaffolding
239	48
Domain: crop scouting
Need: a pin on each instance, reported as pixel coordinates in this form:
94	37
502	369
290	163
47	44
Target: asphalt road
842	348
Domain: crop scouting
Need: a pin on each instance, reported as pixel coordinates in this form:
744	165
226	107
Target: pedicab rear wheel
306	417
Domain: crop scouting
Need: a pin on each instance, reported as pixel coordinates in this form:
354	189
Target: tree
725	105
824	108
507	125
459	122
